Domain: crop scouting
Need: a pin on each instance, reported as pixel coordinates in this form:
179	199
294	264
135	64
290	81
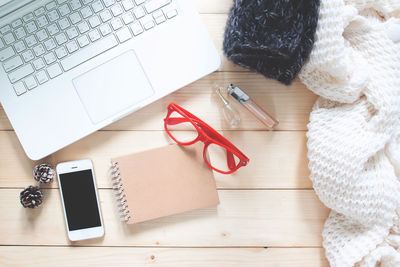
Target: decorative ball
43	173
31	197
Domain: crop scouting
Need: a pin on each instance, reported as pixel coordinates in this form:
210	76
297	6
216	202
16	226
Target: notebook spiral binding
118	188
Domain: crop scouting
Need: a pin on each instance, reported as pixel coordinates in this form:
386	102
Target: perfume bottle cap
238	94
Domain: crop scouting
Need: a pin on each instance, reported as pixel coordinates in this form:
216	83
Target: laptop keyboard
63	34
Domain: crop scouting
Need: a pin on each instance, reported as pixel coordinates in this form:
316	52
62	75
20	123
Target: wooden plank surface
167	257
244	218
213	6
277	159
267	204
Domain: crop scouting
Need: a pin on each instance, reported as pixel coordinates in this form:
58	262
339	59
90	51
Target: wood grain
167	257
213	7
277	159
256	211
245	218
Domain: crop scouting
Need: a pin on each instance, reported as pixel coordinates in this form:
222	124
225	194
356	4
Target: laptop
71	67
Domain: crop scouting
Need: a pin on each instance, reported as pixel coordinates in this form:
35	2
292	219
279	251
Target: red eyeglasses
219	154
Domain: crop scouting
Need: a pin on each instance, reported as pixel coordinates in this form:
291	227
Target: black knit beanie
273	37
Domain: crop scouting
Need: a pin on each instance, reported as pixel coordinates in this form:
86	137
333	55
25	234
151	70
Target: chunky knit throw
354	130
273	37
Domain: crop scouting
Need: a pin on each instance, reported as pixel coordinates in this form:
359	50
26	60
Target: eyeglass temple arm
174	121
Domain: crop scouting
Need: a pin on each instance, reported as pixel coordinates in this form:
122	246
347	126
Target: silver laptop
71	67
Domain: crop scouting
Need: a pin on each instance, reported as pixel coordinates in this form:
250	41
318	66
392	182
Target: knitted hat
273	37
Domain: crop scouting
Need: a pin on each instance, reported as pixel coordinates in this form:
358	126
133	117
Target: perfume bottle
230	114
255	109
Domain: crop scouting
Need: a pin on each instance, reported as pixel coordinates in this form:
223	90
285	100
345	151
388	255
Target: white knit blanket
354	130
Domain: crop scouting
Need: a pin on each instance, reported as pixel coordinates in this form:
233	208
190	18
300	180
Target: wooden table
269	215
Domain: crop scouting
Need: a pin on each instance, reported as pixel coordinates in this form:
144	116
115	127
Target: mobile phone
80	201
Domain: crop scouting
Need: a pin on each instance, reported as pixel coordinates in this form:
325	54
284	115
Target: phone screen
80	200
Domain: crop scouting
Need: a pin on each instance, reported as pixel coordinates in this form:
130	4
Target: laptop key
97	6
75	4
83	27
42	77
109	3
153	5
39	11
94	35
128	18
83	41
28	55
139	12
39	64
88	53
5	29
61	38
19	88
42	35
6	53
21	73
128	4
75	18
30	82
64	10
50	44
42	21
54	70
172	13
94	21
53	29
16	23
124	35
61	52
136	28
72	47
19	46
31	40
117	10
12	63
53	15
116	24
28	17
9	38
51	5
86	12
72	33
105	29
50	58
39	50
20	33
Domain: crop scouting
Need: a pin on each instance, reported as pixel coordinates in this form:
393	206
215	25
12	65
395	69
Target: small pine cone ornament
31	197
43	173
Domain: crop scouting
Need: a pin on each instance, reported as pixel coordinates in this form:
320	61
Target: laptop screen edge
6	7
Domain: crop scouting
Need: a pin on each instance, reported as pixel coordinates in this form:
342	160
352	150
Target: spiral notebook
162	182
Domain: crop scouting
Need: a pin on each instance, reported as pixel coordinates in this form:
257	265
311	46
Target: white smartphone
80	200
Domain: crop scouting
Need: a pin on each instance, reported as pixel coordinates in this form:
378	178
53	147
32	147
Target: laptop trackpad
113	87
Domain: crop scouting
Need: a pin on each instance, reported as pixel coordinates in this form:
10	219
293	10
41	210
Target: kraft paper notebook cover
161	182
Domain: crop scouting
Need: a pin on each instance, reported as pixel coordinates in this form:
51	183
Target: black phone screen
80	200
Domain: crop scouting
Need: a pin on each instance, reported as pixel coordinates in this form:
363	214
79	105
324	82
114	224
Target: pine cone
31	197
43	173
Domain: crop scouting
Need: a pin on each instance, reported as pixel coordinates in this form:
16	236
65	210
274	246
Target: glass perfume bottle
255	109
230	114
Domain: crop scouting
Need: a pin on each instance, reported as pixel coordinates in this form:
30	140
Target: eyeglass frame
203	134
